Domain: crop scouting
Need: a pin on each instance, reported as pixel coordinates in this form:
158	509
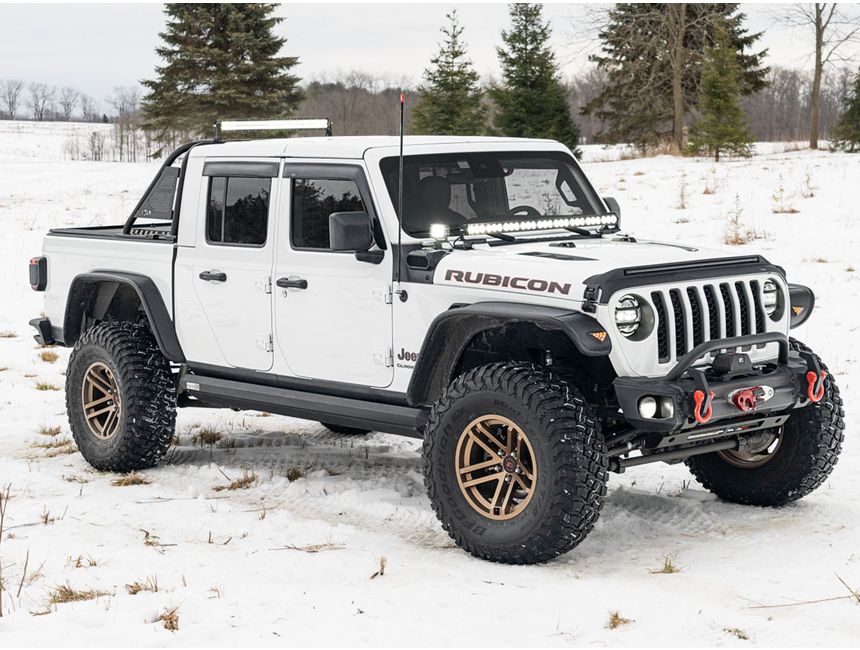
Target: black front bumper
789	376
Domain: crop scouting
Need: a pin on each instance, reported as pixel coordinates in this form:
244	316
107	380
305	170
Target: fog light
647	407
667	407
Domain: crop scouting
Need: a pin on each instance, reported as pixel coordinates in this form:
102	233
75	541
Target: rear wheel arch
465	337
120	297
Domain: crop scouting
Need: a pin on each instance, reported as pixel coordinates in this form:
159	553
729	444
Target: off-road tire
146	390
347	431
811	441
569	449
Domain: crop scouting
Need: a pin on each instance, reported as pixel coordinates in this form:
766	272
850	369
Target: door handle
292	283
213	276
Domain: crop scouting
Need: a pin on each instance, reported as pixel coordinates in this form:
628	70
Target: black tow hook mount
815	377
703	397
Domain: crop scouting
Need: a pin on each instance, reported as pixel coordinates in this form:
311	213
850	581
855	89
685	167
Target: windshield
461	190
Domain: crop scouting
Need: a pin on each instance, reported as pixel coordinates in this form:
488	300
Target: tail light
39	273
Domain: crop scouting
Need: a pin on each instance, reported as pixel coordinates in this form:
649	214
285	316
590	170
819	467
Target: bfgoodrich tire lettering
810	443
146	390
568	449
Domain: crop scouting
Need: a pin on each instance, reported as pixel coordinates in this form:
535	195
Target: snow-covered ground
231	560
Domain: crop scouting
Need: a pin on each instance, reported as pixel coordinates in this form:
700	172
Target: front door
233	262
333	313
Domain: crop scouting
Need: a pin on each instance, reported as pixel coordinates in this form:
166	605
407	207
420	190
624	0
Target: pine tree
722	125
450	101
653	55
220	61
531	101
846	134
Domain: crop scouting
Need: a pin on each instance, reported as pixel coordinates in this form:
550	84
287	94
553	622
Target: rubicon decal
514	282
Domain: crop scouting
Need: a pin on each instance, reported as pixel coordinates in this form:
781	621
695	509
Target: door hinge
384	293
384	357
264	285
265	342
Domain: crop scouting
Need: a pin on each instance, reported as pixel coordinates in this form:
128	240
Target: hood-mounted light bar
312	124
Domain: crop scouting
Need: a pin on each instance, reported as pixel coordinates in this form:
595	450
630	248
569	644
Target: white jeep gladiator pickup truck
473	292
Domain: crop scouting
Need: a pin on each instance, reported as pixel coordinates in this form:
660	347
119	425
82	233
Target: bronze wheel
101	401
496	467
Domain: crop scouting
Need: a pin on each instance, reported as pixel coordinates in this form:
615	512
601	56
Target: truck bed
72	252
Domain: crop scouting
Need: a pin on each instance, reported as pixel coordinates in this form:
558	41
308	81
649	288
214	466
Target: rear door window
238	210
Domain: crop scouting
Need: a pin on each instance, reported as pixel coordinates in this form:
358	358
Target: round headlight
628	315
770	297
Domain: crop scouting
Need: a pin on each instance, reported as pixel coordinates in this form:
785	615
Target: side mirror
613	206
350	232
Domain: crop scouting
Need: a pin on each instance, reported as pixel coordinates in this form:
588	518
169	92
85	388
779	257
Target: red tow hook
815	386
698	398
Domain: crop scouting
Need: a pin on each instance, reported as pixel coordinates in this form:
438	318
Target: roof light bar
323	124
542	224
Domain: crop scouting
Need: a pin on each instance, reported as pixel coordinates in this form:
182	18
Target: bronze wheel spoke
484	445
513	441
495	500
508	496
484	479
98	401
525	472
489	435
477	466
100	383
109	421
101	411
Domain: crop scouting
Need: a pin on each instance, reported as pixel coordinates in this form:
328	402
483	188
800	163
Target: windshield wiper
585	232
502	236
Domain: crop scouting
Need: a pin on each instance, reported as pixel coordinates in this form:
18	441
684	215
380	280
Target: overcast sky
95	47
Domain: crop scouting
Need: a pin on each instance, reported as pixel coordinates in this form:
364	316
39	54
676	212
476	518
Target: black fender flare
451	332
150	299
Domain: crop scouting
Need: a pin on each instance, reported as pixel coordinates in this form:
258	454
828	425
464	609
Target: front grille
688	316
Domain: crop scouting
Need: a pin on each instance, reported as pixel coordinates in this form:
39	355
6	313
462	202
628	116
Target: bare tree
358	103
10	94
833	28
126	103
89	109
583	88
68	100
41	100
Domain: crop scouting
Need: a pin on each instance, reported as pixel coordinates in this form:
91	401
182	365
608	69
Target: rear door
233	259
333	320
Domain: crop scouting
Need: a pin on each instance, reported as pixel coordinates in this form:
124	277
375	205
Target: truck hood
558	271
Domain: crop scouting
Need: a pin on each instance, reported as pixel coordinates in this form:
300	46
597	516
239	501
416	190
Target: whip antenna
400	191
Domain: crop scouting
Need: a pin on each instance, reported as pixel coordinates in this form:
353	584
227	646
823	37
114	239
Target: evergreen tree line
360	103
